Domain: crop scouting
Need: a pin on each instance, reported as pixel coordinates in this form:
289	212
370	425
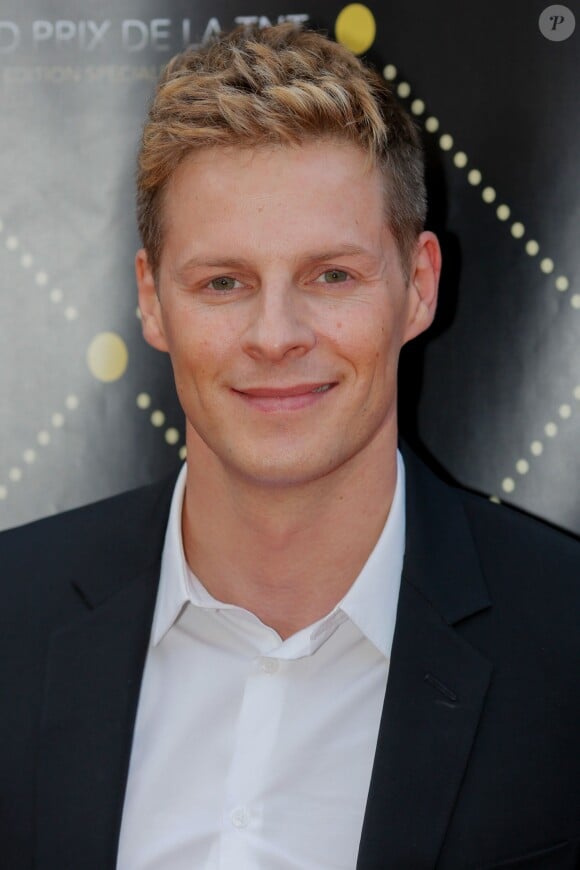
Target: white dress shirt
251	752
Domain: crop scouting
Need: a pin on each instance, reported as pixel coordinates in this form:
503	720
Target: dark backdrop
491	396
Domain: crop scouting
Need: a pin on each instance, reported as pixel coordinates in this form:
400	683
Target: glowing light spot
536	448
547	265
517	230
26	261
561	283
431	124
183	452
532	247
488	194
12	243
355	28
508	484
107	357
55	295
41	278
172	436
522	466
565	411
404	90
158	418
43	437
57	420
446	142
29	456
15	474
390	72
460	159
417	107
503	212
575	301
3	492
71	313
474	177
71	402
143	401
551	430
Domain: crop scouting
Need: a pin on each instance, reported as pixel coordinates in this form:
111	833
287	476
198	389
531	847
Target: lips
285	398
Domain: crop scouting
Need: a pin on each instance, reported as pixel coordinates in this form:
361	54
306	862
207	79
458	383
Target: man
307	652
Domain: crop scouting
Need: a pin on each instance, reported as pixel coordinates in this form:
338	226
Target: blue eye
335	276
224	282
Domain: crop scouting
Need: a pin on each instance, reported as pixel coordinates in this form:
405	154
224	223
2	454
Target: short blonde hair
278	85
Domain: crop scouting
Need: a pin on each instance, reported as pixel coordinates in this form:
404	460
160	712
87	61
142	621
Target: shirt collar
370	603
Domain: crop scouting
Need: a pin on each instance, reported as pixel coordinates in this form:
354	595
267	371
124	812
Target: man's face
282	304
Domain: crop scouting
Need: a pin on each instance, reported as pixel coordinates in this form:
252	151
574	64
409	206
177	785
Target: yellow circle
107	357
355	28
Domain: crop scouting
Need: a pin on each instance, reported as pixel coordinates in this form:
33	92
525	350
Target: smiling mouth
291	398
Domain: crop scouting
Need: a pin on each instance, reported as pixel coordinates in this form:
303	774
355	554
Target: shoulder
106	532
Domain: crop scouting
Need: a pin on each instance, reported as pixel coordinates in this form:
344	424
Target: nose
279	325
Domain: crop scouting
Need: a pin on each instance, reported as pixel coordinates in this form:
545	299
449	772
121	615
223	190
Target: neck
288	555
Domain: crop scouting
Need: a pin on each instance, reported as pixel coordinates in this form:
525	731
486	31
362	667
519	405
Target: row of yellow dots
13	244
157	419
43	439
475	178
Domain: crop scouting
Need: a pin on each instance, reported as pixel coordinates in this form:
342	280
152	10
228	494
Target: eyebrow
196	262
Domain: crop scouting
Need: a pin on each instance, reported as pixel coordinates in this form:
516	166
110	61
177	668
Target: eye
224	283
333	276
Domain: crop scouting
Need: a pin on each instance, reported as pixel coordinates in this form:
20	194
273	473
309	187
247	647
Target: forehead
324	183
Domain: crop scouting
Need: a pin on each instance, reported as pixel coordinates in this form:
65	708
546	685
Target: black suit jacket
477	763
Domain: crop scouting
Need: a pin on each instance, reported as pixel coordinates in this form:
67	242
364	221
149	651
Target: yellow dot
15	474
517	230
29	456
172	436
71	313
460	159
431	124
3	492
158	418
390	72
43	437
547	265
536	448
508	484
57	420
355	28
503	212
575	301
26	261
488	194
417	107
55	295
474	177
12	243
565	411
404	90
522	466
494	499
143	401
41	278
577	392
183	452
107	357
71	402
446	142
551	430
138	313
532	247
562	283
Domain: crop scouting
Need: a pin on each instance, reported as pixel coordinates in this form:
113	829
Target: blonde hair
278	85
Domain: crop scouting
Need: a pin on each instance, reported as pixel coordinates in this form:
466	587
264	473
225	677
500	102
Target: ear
423	285
149	305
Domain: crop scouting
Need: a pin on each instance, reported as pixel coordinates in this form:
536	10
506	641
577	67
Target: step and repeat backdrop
491	396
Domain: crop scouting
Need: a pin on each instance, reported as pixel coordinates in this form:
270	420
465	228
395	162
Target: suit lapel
94	672
436	687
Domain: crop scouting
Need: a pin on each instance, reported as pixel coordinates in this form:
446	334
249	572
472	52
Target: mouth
285	398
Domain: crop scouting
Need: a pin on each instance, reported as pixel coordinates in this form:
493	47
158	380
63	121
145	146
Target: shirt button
269	666
240	817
